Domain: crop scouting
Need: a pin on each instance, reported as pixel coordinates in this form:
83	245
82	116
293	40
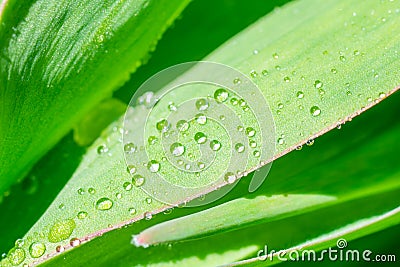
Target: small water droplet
236	81
315	111
382	95
200	138
82	215
277	67
102	149
342	58
356	53
221	95
148	216
286	79
153	166
250	131
132	211
37	249
230	177
129	148
280	105
300	147
234	101
252	143
215	145
201	119
104	204
127	186
253	74
172	107
240	128
275	55
256	153
310	142
182	126
163	126
281	141
255	52
177	149
318	84
60	249
118	195
222	117
264	72
74	242
202	104
348	93
333	70
300	94
239	147
80	191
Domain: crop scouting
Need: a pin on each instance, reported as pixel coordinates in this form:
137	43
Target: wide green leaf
309	101
55	67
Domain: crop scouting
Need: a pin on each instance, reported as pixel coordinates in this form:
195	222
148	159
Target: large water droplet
201	119
74	242
177	149
315	111
16	256
37	249
215	145
61	230
104	204
153	166
202	104
221	95
200	138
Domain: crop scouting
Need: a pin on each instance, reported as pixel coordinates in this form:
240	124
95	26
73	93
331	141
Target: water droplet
318	84
255	52
148	216
177	149
321	91
348	93
163	126
277	67
253	74
201	119
74	242
333	70
127	186
215	145
342	58
16	256
148	200
153	166
202	104
298	148
252	143
382	95
82	215
172	107
104	204
19	243
91	190
242	103
256	153
280	105
200	138
118	195
37	249
240	128
222	117
250	131
286	79
356	53
264	72
234	101
221	95
129	148
281	141
152	140
236	81
239	147
369	99
102	149
132	211
61	230
147	99
275	55
60	249
315	111
182	126
230	177
310	142
300	94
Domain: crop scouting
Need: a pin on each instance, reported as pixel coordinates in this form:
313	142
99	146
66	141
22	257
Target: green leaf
106	171
55	67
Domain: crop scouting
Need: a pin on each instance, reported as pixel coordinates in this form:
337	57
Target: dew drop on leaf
250	131
202	104
82	215
137	180
127	186
74	242
236	81
92	191
152	140
153	166
318	84
239	147
215	145
230	177
253	74
182	126
201	119
300	94
315	111
148	215
102	149
221	95
132	211
61	230
37	249
129	148
200	138
104	204
177	149
16	256
60	249
163	126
